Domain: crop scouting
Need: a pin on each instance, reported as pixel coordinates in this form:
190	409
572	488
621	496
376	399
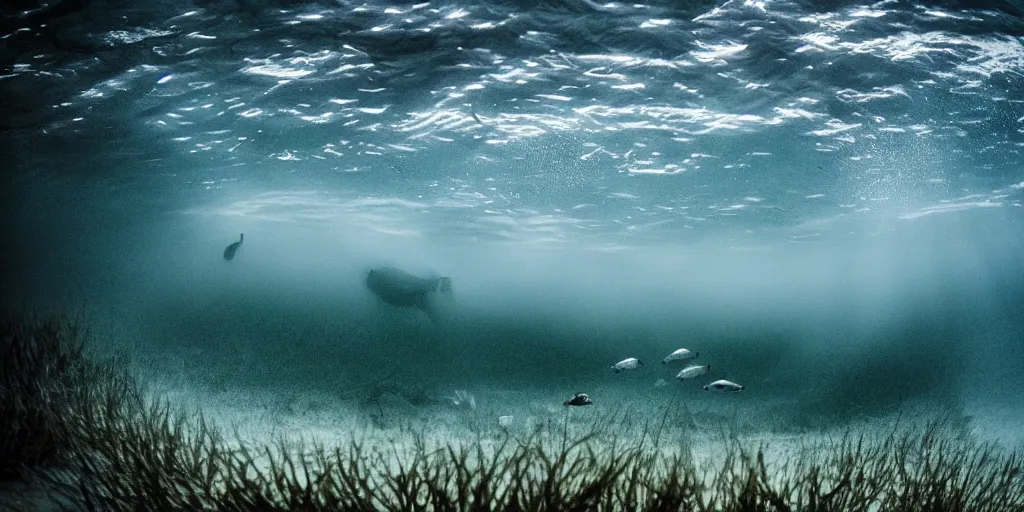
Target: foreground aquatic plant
129	455
48	385
162	466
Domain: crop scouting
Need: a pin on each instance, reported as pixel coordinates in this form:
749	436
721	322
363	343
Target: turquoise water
823	200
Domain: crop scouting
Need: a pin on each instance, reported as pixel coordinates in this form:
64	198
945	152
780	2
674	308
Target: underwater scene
512	255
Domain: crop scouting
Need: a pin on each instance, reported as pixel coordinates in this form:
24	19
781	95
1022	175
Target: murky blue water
824	200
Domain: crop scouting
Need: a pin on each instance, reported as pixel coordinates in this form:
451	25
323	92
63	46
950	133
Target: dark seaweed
81	428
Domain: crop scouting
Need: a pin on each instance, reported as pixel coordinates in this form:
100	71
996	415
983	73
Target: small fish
723	385
229	252
578	400
627	364
692	371
680	355
505	421
659	383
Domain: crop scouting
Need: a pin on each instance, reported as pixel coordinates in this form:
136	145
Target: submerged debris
463	398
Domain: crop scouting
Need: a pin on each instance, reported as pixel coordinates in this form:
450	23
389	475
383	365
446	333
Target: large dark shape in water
402	289
230	251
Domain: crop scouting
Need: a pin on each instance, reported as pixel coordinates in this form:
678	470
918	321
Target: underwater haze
822	199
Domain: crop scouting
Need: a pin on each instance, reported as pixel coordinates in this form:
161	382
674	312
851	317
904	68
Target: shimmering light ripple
544	122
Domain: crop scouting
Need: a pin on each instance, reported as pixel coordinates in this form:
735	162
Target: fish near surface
229	251
402	289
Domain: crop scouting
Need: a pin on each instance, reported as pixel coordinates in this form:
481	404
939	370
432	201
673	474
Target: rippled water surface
823	198
545	121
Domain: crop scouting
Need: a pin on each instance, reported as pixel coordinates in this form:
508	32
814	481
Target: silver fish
723	385
680	355
627	364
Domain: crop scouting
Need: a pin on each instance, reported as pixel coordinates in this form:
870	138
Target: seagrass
81	426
